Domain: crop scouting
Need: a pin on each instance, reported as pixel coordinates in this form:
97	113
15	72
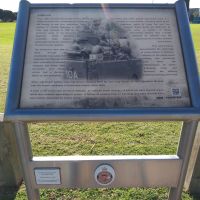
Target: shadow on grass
8	193
195	196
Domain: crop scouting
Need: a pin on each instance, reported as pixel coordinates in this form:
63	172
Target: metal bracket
130	171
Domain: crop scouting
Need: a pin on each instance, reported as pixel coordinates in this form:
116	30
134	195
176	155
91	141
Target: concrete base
10	169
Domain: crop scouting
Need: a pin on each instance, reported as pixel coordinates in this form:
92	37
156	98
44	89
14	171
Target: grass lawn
6	44
96	138
196	38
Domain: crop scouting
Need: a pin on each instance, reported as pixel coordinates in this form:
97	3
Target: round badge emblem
104	174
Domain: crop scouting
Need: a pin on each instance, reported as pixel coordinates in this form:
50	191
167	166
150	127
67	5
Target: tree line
7	15
194	14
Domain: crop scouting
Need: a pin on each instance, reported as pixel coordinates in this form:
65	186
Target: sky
13	4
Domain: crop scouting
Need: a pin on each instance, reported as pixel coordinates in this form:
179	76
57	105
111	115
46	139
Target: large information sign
104	57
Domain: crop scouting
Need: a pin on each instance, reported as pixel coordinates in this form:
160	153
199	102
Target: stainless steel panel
103	117
131	171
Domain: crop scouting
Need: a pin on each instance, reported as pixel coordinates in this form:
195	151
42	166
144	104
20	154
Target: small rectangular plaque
47	176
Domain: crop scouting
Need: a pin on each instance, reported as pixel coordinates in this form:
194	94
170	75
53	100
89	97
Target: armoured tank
97	54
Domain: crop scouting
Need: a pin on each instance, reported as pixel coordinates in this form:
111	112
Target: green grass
196	38
6	44
95	138
104	138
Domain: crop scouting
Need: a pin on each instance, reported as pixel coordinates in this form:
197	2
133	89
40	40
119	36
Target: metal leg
24	147
184	151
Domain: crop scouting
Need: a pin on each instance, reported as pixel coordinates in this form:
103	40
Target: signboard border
14	113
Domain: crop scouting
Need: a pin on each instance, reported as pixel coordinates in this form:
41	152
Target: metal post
25	151
184	151
192	181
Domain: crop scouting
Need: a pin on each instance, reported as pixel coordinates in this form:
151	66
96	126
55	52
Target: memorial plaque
103	62
48	176
103	57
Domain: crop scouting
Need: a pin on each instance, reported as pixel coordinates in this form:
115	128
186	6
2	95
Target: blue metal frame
13	112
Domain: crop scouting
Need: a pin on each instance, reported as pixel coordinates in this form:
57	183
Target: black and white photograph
102	50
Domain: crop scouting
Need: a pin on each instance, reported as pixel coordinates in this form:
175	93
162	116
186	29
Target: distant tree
7	15
15	15
1	14
194	13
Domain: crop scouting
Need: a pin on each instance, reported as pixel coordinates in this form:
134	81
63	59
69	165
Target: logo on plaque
104	174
